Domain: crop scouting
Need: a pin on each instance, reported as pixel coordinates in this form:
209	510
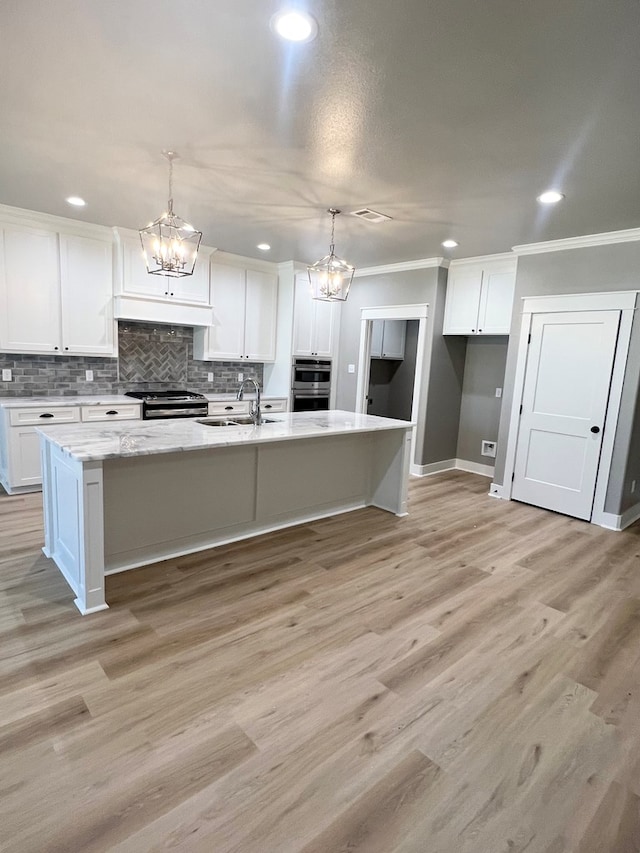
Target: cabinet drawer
128	412
44	416
230	407
274	406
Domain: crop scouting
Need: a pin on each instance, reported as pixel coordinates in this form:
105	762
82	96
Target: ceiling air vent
370	215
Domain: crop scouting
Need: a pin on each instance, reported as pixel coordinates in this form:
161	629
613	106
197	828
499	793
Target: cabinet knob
595	430
56	347
479	330
473	330
66	348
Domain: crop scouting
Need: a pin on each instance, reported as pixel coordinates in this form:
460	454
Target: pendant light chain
333	226
169	155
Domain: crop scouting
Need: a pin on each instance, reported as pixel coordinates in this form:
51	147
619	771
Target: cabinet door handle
112	412
45	415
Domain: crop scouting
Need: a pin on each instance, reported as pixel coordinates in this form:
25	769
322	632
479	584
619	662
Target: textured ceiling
449	117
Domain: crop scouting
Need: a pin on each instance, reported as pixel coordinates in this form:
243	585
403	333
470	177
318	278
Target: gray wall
480	408
589	270
437	430
150	357
444	388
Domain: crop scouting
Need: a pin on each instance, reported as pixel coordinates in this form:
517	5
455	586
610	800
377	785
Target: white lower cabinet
244	316
104	412
21	444
229	408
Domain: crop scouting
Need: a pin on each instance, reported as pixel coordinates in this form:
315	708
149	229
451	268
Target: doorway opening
393	385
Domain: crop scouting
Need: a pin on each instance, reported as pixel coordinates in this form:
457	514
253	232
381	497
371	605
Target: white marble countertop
93	442
103	399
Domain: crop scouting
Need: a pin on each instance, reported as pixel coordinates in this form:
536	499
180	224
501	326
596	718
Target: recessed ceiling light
264	247
294	26
76	201
550	197
449	244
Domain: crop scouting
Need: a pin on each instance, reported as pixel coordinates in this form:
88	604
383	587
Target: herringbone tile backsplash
150	358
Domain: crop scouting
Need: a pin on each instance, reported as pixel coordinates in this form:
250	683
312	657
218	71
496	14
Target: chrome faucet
256	414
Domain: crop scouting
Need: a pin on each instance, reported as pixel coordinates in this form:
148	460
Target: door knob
595	430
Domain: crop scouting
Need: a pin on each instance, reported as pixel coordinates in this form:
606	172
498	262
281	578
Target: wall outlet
209	377
351	368
498	392
88	375
240	377
633	486
6	374
488	448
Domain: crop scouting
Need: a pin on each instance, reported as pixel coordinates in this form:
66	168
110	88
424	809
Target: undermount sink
225	422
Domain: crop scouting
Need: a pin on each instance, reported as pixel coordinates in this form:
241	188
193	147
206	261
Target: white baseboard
475	467
433	468
617	522
452	465
498	491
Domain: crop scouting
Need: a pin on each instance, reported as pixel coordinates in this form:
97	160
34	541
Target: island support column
73	524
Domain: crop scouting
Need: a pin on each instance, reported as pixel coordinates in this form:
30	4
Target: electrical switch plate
351	368
6	374
240	377
498	392
88	375
488	448
209	377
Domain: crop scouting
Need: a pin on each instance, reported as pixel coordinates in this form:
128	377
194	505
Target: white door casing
566	390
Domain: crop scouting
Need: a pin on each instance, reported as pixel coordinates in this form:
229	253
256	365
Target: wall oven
310	384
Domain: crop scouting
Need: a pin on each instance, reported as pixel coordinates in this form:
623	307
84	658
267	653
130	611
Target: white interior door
566	389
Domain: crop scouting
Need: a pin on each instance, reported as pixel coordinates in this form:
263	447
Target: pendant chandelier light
170	245
330	278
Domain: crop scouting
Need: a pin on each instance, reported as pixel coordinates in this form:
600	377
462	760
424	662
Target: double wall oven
310	384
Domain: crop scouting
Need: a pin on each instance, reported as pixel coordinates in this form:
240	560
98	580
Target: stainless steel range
171	404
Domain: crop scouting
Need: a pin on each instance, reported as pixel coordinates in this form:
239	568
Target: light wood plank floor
464	680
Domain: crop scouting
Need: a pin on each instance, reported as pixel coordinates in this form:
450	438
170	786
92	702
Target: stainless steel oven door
311	373
306	402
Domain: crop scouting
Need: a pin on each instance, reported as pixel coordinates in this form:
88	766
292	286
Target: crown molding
63	224
630	235
403	266
485	259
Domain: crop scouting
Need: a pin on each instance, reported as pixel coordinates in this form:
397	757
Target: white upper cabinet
244	316
30	288
86	277
315	323
56	292
140	295
388	339
480	297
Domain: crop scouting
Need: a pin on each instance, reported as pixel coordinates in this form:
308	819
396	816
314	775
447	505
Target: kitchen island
122	495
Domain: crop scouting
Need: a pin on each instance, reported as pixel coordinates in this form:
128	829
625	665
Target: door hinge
529	340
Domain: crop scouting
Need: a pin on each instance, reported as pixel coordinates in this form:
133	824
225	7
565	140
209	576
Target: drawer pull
228	408
45	415
268	406
112	412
